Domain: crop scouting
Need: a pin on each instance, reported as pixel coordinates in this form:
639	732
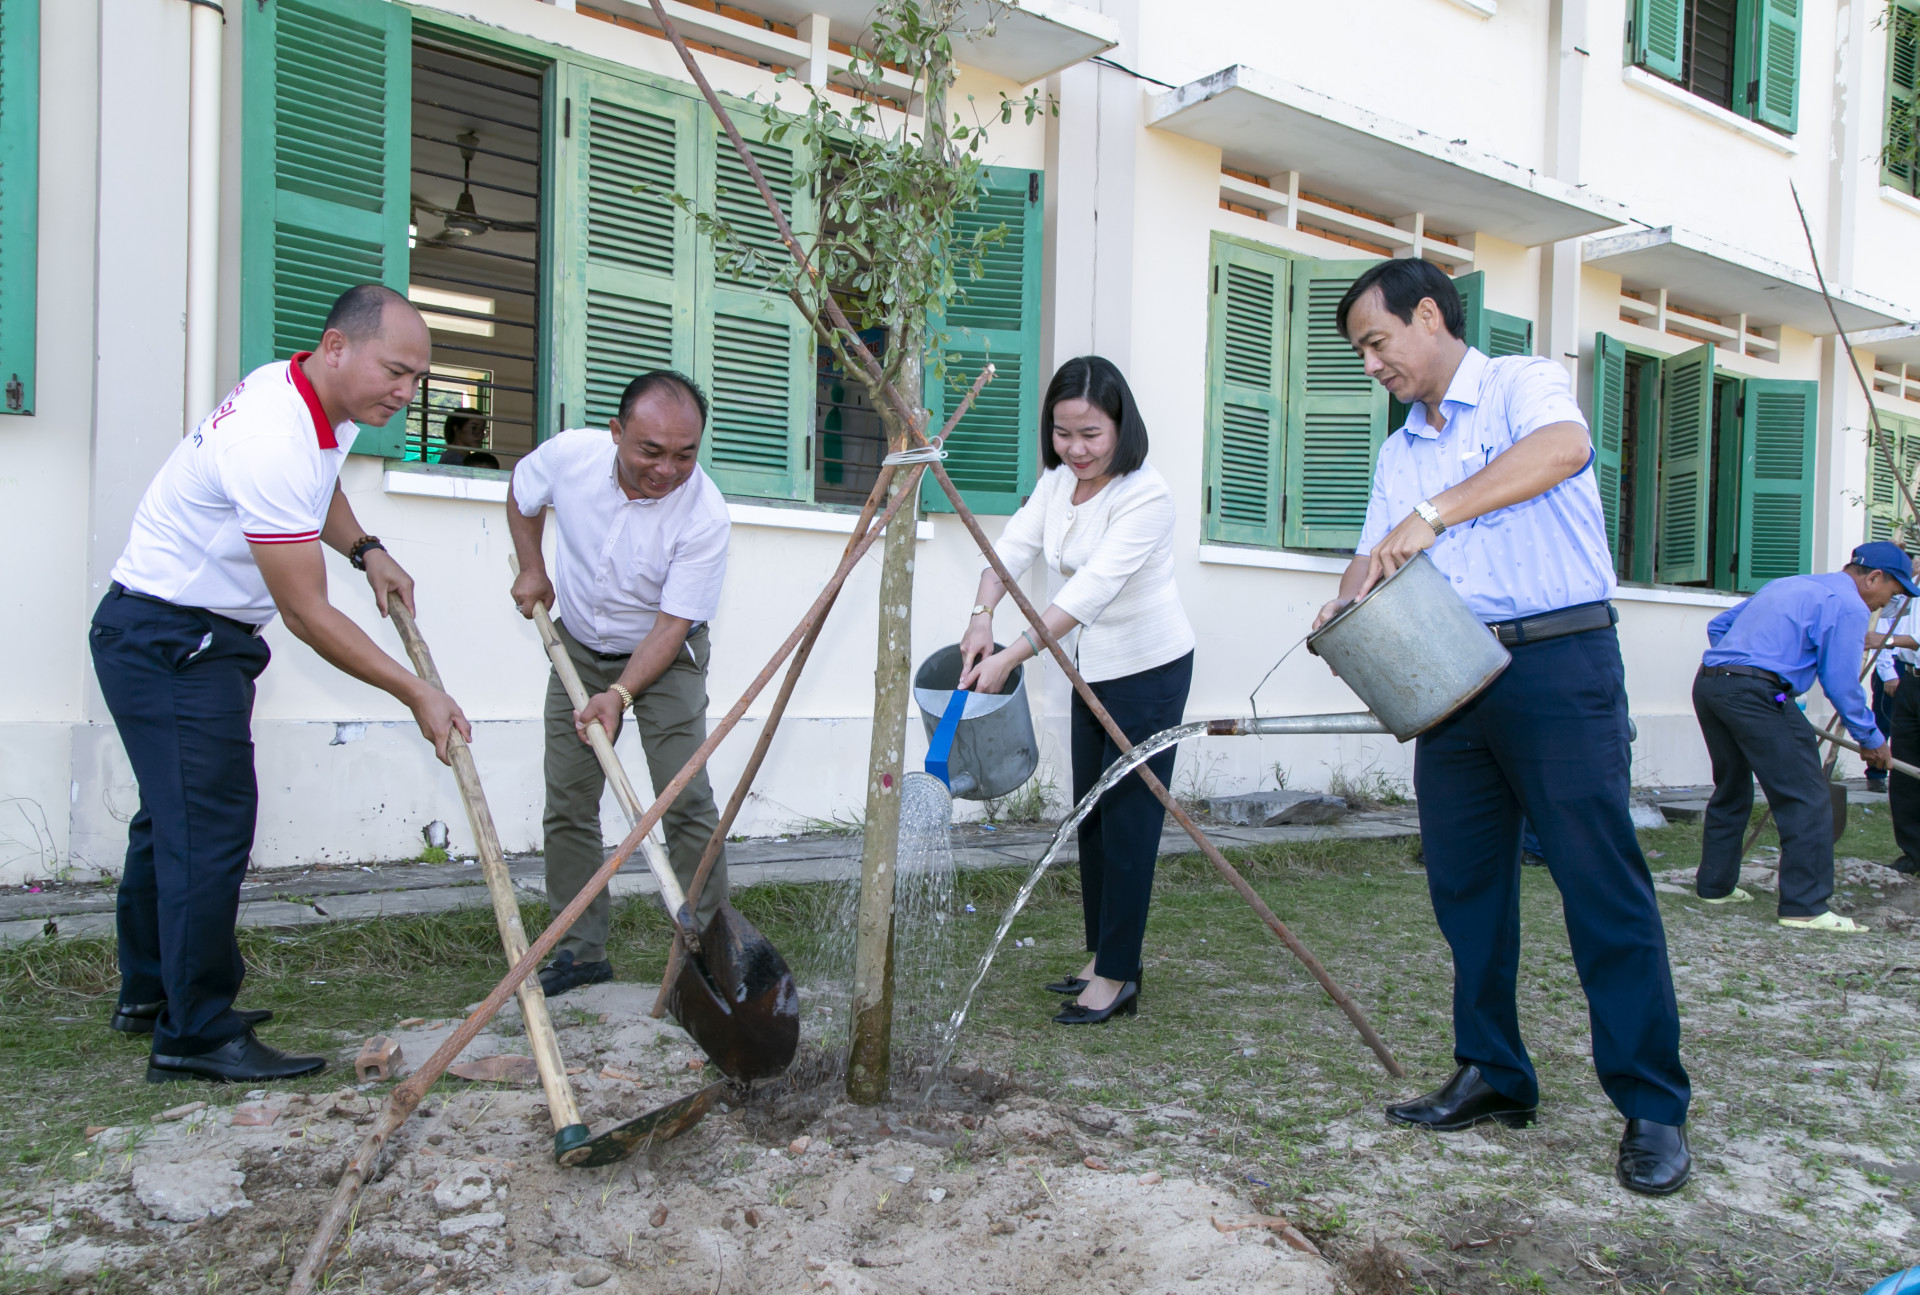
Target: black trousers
1903	793
1548	741
179	684
1750	735
1120	839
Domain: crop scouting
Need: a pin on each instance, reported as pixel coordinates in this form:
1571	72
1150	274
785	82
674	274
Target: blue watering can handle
940	747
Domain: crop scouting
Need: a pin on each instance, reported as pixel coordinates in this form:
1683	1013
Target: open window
1741	55
1706	477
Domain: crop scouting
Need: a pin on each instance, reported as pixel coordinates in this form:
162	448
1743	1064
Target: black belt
693	629
1552	625
1767	677
245	627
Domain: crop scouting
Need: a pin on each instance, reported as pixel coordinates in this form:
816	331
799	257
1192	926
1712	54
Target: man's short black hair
1098	381
357	311
663	380
457	423
1403	285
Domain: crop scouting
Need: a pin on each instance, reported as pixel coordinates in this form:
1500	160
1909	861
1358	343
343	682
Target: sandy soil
987	1190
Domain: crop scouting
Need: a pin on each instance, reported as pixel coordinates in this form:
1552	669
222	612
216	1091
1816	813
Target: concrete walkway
342	894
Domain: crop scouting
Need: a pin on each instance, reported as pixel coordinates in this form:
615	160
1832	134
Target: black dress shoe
1460	1103
139	1018
244	1060
1125	1003
1066	985
1654	1159
563	974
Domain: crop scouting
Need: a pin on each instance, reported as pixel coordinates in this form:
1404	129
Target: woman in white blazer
1102	520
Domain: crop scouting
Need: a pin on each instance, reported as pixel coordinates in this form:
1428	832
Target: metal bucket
1412	649
994	750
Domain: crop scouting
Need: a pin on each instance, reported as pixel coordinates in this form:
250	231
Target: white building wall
1130	211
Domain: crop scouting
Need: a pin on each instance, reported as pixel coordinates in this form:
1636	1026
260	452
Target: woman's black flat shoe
1125	1003
1072	986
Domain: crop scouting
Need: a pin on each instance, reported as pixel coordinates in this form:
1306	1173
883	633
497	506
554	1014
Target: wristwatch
1431	516
980	609
366	544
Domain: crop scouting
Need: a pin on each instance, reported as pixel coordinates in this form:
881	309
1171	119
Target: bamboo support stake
404	1099
568	1128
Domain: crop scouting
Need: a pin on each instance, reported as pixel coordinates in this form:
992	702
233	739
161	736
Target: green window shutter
1609	429
625	294
19	199
1336	414
326	147
1473	304
1901	157
1886	503
1776	480
1654	40
1767	62
994	456
1246	379
755	352
1686	459
1508	334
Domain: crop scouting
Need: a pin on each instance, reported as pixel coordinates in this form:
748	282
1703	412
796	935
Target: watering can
980	744
1412	649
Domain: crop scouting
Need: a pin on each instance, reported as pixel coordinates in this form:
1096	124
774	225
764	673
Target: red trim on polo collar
322	429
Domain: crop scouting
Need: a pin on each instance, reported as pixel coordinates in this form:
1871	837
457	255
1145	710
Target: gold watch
980	609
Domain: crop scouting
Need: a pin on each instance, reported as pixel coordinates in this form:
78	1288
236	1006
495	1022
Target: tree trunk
869	1058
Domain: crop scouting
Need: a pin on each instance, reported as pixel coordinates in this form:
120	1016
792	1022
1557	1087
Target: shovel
574	1145
736	997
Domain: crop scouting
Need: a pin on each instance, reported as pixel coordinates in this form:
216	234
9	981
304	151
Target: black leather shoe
139	1018
244	1060
1654	1159
1125	1003
563	974
1460	1103
1066	985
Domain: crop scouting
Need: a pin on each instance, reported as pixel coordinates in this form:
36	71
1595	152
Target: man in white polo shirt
642	553
227	535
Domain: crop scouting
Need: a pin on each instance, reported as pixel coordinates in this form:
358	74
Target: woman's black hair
1097	381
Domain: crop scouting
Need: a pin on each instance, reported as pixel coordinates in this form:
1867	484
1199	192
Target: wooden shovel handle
1898	766
506	908
657	863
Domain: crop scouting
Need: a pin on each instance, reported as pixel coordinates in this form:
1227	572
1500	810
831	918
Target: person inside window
464	434
1102	518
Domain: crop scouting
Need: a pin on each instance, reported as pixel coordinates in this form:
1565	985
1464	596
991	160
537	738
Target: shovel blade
1837	793
643	1131
737	1000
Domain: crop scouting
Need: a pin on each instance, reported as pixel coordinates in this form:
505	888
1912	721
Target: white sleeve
1019	543
271	488
533	478
1377	524
696	573
1883	665
1541	395
1131	538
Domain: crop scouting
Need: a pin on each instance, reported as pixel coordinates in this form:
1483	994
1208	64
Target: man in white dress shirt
1492	476
642	553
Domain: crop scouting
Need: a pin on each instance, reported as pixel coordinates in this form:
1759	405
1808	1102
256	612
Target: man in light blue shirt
1763	654
1492	476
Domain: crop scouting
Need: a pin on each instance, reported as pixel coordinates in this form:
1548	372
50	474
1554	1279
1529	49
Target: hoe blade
643	1131
737	1000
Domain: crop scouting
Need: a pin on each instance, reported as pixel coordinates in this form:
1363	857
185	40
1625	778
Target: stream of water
1120	768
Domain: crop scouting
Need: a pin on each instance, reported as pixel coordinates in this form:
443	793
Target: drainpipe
203	211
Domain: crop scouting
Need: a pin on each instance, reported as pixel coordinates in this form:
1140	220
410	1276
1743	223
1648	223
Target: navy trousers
1548	741
179	684
1120	839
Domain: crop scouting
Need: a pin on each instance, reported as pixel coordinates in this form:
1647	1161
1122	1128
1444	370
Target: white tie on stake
656	856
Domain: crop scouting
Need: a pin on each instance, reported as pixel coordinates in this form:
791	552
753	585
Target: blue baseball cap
1881	555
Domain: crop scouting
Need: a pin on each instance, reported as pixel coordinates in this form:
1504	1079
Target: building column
1559	336
1842	468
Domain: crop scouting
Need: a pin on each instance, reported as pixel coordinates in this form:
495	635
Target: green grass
1270	1082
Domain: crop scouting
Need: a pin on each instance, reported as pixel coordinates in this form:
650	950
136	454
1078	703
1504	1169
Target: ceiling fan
463	219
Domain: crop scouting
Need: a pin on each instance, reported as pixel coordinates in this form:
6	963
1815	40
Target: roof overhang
1031	39
1724	280
1269	127
1900	343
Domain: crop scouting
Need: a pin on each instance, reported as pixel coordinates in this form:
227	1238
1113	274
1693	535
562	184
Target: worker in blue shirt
1764	653
1492	477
